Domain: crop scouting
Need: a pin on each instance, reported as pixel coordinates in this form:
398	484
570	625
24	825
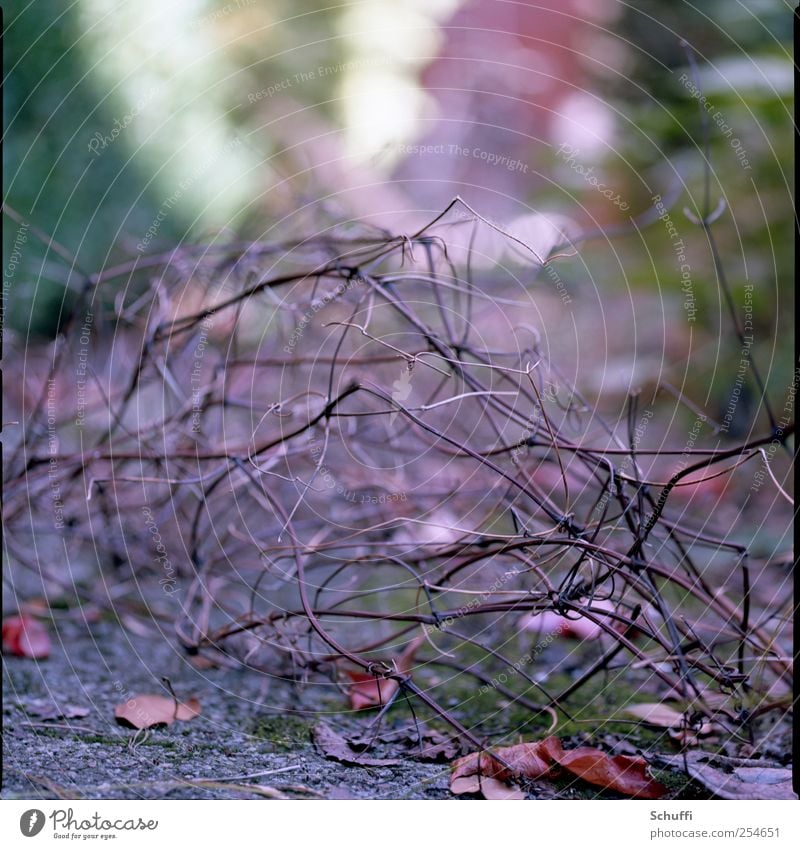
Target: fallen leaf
466	784
334	746
48	709
436	746
658	714
735	781
575	625
668	717
685	737
145	711
524	759
200	661
489	788
417	741
368	691
25	636
626	775
494	789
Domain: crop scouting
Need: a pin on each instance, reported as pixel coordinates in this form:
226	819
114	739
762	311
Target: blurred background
133	127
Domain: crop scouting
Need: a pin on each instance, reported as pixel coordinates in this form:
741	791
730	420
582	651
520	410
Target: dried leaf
735	782
489	788
658	714
369	691
416	741
334	746
524	759
25	636
48	709
465	784
200	661
685	737
627	775
145	711
436	747
494	789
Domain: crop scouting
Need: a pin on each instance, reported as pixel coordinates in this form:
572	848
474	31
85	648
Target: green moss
104	739
284	733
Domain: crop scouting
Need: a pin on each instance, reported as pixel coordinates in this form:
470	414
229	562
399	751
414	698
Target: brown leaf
735	782
416	741
524	759
489	788
627	775
25	636
368	691
494	789
465	784
668	717
334	746
145	711
658	714
201	661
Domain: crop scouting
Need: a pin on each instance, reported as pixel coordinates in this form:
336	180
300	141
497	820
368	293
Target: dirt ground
250	724
253	739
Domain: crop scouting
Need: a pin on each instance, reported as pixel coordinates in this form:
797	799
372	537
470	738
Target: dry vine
246	406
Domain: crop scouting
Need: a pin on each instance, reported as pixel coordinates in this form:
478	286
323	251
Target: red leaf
368	691
535	760
146	711
524	759
25	636
624	774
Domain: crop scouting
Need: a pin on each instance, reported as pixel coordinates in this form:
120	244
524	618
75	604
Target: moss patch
283	733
